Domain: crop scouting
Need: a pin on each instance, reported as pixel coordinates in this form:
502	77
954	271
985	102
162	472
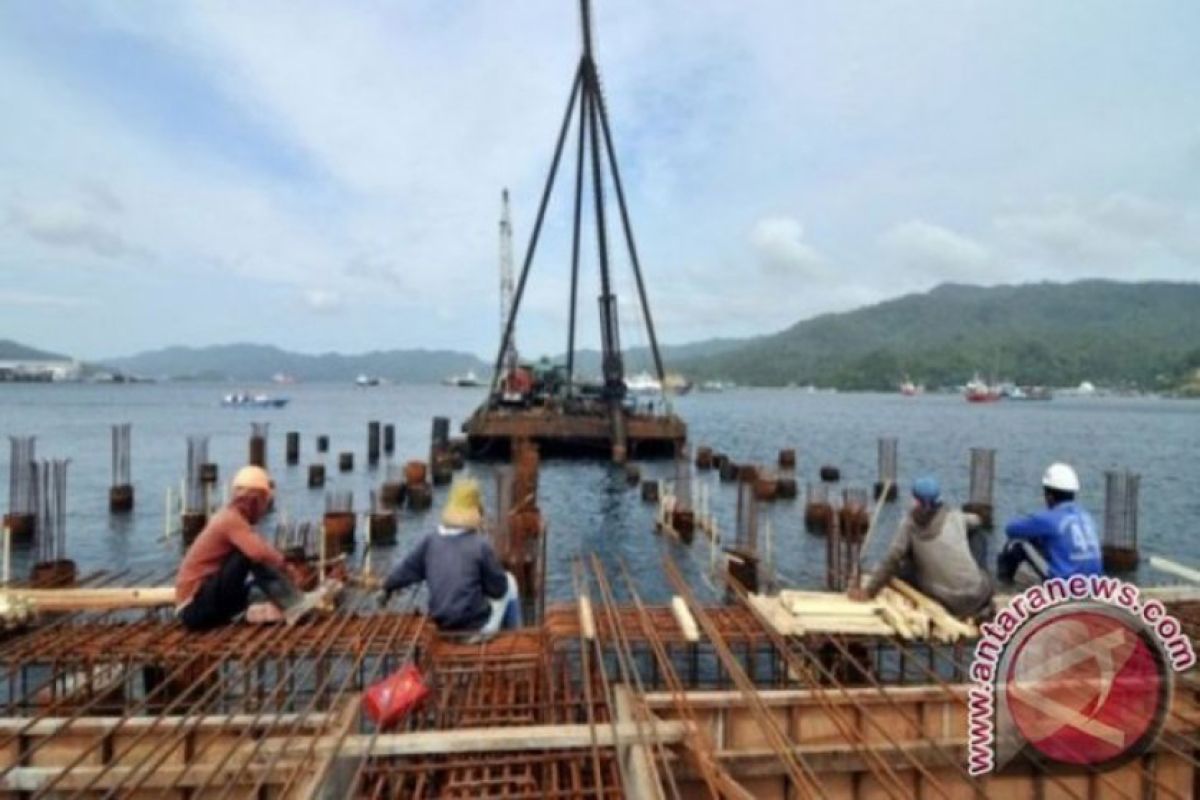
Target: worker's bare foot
264	613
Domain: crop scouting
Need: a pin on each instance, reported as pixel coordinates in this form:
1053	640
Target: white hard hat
1061	477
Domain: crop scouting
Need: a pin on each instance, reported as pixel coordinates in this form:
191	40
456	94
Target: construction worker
1056	543
468	588
228	558
930	551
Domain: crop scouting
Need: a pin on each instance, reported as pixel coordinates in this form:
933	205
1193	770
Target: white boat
366	380
247	400
643	383
466	380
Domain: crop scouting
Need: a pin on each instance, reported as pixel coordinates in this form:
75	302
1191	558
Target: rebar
887	459
22	475
983	475
121	449
51	534
339	501
195	499
1121	509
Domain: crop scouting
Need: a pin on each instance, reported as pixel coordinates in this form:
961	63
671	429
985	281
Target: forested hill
1129	334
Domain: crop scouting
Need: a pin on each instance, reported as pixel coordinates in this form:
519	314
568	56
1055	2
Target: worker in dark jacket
468	588
1056	543
931	552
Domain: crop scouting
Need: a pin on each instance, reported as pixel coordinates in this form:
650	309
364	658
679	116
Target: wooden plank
107	599
1175	568
587	622
641	773
732	698
50	725
685	620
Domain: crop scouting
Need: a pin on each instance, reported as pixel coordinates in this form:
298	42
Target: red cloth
387	701
226	531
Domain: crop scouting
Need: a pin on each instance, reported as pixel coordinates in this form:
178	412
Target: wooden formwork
214	756
926	725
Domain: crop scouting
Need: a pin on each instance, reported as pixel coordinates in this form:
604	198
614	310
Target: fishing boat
978	391
366	380
466	380
910	389
247	400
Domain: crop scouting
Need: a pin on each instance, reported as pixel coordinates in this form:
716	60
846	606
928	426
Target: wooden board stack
898	610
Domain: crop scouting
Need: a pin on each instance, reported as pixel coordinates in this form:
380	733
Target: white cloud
19	298
1120	235
781	249
71	229
936	251
322	301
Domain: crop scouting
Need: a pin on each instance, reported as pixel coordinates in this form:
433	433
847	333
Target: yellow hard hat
464	505
252	478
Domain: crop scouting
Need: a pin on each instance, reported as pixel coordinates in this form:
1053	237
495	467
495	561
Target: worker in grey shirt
931	552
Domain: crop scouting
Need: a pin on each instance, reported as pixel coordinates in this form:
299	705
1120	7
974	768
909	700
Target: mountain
252	362
1131	334
15	351
587	362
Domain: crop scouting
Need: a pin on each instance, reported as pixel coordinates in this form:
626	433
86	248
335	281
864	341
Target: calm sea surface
588	506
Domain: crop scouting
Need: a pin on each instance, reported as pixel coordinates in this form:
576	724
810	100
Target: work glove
384	597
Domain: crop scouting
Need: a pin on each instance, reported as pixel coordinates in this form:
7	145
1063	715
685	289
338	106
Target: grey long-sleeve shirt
941	559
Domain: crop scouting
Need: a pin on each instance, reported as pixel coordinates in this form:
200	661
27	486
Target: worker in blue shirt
1056	543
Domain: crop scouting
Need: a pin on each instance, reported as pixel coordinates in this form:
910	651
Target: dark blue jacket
460	569
1065	535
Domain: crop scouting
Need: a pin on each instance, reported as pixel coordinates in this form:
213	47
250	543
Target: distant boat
715	386
1027	393
677	384
910	389
282	378
466	380
643	383
366	380
978	391
247	400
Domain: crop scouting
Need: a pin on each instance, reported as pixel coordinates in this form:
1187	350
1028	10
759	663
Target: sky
327	175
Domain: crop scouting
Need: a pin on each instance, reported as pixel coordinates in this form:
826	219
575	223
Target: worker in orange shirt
228	558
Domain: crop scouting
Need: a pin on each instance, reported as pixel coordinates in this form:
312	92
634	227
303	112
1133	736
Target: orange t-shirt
226	531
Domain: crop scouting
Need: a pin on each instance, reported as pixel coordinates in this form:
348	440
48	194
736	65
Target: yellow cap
464	506
252	478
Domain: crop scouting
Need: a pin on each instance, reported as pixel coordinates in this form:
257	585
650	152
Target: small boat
643	383
677	384
282	378
366	380
1027	393
466	380
978	391
247	400
715	386
910	389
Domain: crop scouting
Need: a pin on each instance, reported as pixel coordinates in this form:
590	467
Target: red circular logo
1087	687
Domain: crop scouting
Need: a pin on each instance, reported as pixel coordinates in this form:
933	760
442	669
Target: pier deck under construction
606	698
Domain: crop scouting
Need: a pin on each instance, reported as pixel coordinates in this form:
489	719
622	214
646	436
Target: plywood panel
131	750
62	750
820	726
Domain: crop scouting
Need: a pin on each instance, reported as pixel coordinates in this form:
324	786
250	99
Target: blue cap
926	489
